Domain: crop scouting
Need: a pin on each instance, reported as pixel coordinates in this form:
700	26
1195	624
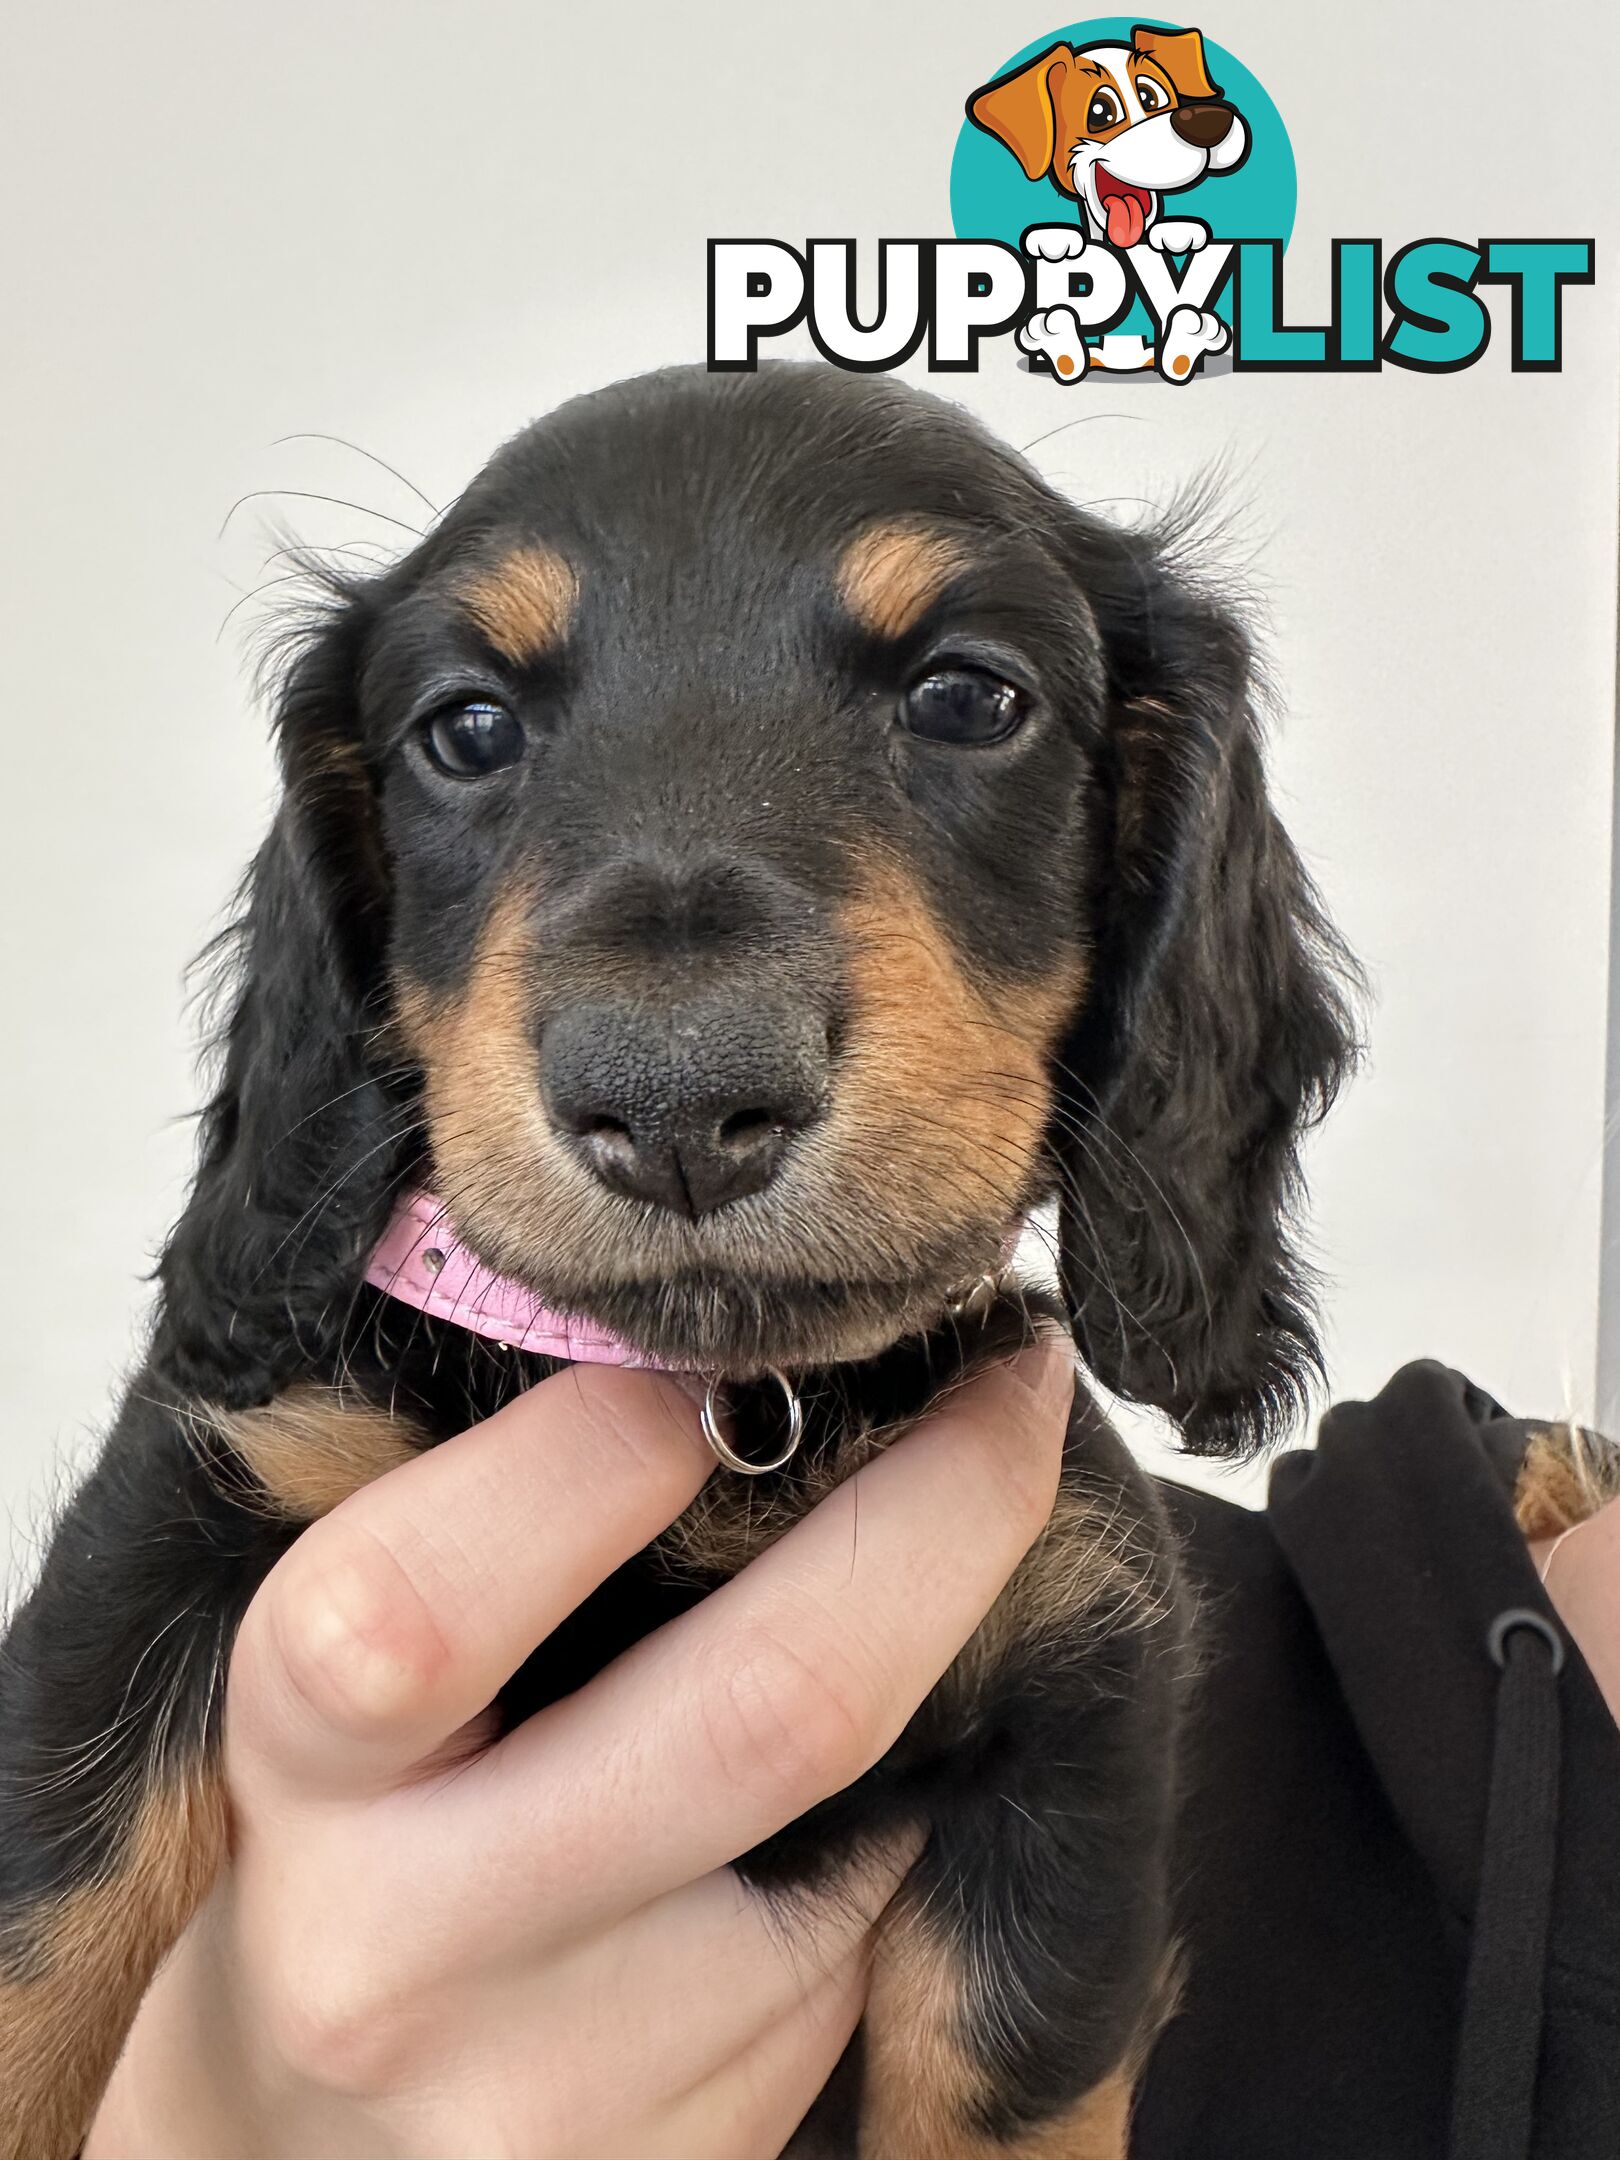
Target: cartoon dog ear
293	1165
1218	1032
1181	54
1020	109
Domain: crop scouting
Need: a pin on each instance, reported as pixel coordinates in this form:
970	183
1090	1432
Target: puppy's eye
961	705
468	741
1103	111
1151	94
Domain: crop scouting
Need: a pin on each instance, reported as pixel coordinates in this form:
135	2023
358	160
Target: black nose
685	1107
1203	125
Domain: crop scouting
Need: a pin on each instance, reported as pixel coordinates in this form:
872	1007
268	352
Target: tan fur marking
918	2088
892	573
310	1448
1567	1474
1098	2129
98	1947
921	2084
414	1019
943	1078
525	604
1084	1579
921	2088
493	1145
931	1139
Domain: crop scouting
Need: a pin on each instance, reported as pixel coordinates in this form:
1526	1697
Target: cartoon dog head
1116	126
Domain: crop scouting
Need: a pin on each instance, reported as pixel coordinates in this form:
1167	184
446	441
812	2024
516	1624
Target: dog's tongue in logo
1125	207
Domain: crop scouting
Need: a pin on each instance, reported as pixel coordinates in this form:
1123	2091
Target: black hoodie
1351	1718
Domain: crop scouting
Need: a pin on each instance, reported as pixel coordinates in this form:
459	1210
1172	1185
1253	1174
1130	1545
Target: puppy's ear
1218	1031
294	1160
1181	54
1020	109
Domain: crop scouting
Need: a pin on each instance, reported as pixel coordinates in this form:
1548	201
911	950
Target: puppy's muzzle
684	1106
1203	125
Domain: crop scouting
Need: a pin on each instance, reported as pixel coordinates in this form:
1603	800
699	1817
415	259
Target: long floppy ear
1219	1029
1020	109
1181	54
292	1180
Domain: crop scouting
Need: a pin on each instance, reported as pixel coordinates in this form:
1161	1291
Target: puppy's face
735	772
760	842
1117	126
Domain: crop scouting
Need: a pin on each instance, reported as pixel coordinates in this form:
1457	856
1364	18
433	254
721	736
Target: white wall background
418	225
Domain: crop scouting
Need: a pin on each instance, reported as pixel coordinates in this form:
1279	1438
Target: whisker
315	435
337	502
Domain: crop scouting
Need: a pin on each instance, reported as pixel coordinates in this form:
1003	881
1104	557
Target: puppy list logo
1122	195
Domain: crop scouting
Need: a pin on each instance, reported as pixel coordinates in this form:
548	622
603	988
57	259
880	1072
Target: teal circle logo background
991	199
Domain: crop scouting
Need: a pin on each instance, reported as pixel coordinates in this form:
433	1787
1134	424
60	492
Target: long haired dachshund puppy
760	845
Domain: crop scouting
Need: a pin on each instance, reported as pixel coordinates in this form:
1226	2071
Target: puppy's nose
1202	125
687	1107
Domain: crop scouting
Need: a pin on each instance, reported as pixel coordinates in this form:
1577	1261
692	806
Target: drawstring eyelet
1521	1616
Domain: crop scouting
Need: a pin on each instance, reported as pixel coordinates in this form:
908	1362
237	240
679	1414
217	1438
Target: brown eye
1153	98
961	705
1103	111
468	741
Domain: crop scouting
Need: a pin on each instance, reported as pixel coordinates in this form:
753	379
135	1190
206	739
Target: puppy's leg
112	1809
1023	1972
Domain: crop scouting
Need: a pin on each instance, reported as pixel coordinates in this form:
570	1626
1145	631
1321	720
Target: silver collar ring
724	1451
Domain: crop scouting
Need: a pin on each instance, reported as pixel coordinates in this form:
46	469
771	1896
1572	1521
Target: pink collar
420	1260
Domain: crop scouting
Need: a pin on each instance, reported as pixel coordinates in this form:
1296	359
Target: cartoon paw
1178	236
1189	335
1054	243
1055	335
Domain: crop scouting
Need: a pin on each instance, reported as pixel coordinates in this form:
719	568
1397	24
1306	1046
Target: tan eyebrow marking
525	603
889	575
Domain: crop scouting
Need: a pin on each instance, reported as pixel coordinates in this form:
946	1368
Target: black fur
1222	1033
716	763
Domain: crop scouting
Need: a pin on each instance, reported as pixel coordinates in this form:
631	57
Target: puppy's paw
1054	243
1178	236
1190	336
1054	334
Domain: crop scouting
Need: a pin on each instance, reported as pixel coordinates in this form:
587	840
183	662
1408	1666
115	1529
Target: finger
755	2102
785	1684
396	1619
753	1959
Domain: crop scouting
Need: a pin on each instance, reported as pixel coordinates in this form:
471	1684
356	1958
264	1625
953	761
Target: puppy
1118	127
758	848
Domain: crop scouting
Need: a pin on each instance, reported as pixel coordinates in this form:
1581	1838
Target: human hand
430	1942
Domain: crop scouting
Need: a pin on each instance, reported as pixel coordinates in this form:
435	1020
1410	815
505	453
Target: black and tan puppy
761	844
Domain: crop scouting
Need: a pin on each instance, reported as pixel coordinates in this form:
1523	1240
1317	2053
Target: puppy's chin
711	1311
718	1323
